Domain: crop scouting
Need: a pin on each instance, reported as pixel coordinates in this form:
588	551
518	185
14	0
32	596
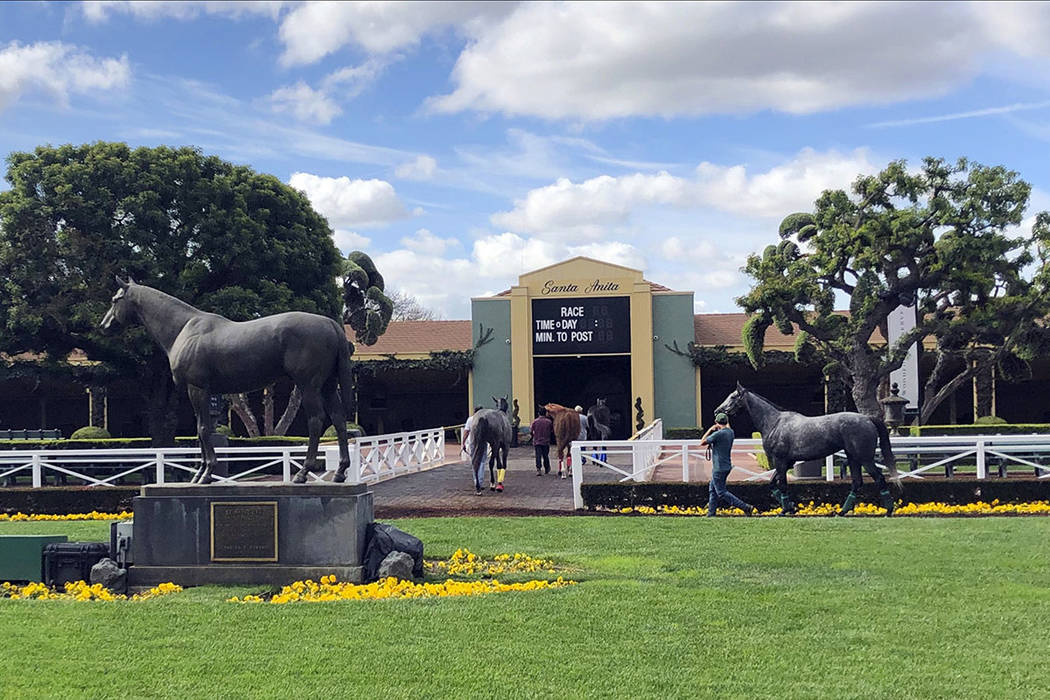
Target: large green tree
219	236
942	237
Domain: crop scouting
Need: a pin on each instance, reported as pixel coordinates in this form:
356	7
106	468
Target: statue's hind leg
199	400
334	406
315	420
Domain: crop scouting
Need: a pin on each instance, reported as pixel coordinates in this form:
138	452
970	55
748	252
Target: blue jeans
717	491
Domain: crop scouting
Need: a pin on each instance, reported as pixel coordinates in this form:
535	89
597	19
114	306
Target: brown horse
566	429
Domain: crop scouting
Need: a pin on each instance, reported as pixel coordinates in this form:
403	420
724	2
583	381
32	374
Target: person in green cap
720	437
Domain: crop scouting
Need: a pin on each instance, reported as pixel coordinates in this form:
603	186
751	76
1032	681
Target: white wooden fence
372	459
638	458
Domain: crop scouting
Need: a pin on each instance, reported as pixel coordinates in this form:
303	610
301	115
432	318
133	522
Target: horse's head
501	403
554	409
734	402
120	309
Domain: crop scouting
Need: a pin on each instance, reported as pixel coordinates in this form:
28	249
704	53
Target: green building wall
674	378
492	368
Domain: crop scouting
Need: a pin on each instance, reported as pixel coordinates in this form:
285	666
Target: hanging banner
899	322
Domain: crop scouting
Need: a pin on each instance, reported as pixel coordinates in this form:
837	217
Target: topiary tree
942	238
366	309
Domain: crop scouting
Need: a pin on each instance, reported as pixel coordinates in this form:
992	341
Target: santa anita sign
591	319
597	286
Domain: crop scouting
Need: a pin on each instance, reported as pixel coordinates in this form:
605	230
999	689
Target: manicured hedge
953	491
60	500
683	433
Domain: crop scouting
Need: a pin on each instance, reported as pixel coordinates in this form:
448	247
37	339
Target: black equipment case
65	562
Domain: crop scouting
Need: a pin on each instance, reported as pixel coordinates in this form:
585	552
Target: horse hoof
339	477
300	478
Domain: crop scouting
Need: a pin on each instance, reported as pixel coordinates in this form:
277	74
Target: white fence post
829	468
576	455
685	464
982	471
286	465
355	462
158	467
37	475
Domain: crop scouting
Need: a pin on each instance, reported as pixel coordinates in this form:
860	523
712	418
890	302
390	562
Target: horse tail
887	454
346	379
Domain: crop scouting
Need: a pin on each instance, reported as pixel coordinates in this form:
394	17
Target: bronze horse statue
210	354
789	437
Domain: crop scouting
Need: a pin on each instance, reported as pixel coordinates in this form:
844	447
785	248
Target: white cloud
591	209
151	10
350	203
57	69
315	29
347	241
786	188
599	61
585	209
305	103
427	243
422	168
678	249
616	252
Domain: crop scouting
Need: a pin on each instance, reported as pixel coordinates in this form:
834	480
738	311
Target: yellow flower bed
465	563
93	515
329	590
79	591
812	509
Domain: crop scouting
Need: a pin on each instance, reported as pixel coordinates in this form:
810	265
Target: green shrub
224	430
330	433
90	432
683	433
990	420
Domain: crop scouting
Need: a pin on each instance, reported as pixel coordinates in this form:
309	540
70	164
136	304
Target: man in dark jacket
541	430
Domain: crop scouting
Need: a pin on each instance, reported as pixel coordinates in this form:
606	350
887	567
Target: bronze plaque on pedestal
244	531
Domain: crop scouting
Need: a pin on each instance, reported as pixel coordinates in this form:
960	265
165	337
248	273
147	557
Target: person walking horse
720	437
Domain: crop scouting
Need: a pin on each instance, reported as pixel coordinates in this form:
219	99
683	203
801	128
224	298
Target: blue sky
461	144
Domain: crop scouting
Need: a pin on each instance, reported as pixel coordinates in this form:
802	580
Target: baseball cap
721	418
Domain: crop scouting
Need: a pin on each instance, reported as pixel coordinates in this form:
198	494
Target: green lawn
668	607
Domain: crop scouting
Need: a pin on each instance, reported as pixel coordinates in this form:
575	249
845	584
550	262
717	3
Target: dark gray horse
789	437
599	425
491	428
210	354
599	421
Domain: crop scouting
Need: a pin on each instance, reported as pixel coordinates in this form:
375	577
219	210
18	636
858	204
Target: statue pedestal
266	533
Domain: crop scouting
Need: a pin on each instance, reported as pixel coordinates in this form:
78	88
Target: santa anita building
570	333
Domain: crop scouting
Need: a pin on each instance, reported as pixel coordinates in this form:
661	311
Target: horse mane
557	408
764	399
165	298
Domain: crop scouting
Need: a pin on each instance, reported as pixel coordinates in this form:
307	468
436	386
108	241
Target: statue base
265	533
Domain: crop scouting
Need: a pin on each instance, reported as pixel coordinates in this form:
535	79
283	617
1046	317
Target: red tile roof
417	337
726	329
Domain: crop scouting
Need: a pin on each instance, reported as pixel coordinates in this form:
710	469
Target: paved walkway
449	489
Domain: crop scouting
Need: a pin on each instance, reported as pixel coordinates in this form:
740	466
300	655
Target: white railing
372	459
950	450
637	460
